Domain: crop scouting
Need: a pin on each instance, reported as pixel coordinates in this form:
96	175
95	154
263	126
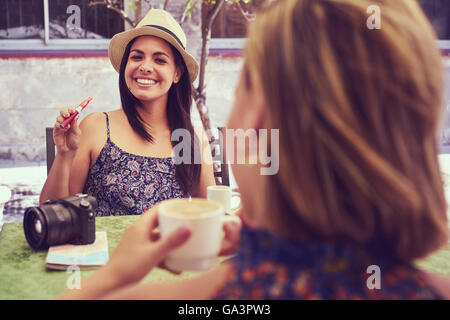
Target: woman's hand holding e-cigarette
66	133
68	139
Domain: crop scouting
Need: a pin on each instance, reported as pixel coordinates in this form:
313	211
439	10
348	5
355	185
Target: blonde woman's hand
66	140
141	248
232	238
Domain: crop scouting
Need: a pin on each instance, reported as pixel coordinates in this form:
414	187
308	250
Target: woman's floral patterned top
127	184
269	267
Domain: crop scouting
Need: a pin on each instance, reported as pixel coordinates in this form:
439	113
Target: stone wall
35	89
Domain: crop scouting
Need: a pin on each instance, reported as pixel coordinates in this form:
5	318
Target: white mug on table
205	219
223	195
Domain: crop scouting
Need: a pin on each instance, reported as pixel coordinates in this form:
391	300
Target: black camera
66	220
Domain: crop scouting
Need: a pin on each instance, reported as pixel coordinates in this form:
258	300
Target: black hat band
167	31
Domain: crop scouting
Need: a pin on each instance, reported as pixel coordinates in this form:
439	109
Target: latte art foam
193	208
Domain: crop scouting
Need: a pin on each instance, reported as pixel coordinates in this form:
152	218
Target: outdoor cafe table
23	274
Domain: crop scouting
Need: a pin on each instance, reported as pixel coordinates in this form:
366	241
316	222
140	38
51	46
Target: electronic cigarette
77	111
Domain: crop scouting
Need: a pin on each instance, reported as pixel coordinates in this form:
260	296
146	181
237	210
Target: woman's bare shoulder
96	121
92	120
116	113
101	115
93	128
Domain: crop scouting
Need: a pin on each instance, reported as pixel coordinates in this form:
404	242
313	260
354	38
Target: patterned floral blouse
269	267
127	184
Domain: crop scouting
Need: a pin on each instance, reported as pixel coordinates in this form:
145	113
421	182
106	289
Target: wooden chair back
50	147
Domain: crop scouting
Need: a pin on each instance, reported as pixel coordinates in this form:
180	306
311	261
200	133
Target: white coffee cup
205	219
223	195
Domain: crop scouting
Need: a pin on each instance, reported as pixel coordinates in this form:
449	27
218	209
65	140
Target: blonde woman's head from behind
358	111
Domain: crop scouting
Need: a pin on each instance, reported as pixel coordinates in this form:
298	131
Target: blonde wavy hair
358	112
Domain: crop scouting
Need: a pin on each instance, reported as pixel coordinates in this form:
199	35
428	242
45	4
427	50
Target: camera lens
35	228
48	225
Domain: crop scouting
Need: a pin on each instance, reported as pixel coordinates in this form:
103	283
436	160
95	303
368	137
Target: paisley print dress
129	184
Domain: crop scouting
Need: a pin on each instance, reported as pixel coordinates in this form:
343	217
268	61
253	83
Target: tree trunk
166	5
209	12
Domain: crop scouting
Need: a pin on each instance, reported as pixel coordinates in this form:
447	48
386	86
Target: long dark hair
178	110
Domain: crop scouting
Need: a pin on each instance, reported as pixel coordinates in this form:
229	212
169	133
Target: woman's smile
145	83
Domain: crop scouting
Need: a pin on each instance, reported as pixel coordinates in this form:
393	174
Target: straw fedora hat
158	23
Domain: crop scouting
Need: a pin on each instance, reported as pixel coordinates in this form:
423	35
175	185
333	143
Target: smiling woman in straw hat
125	157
